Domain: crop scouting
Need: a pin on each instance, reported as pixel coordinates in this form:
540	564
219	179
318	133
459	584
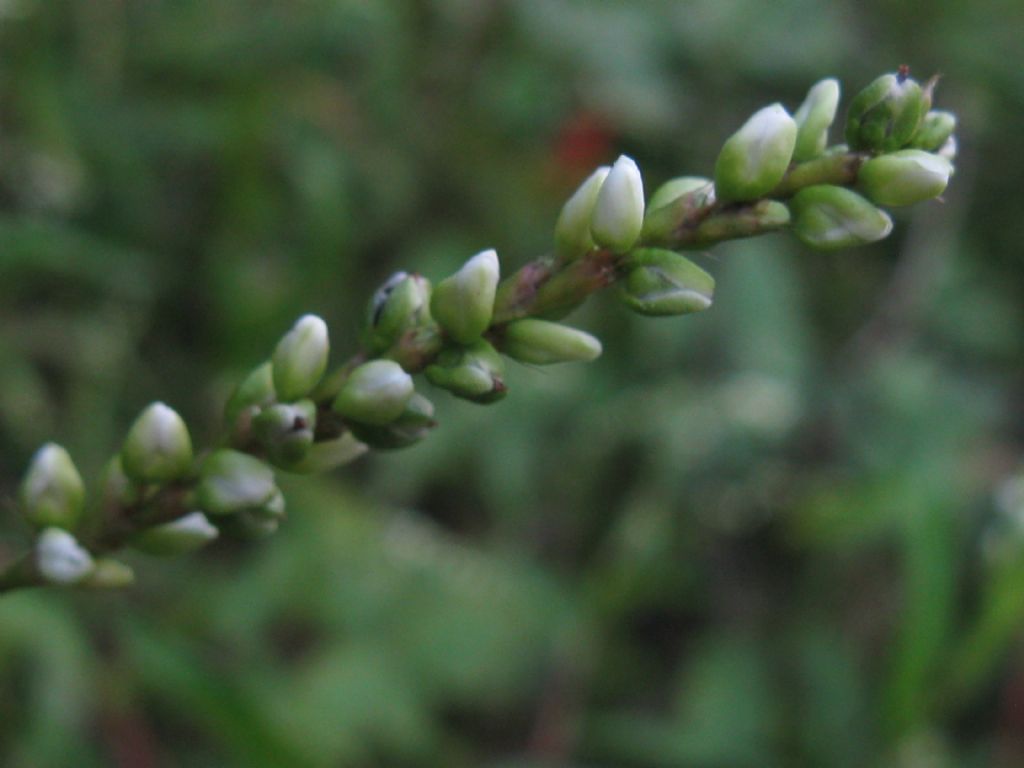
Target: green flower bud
185	534
886	114
936	127
755	158
330	454
619	210
231	481
399	306
108	573
464	303
813	119
660	282
412	426
60	559
375	393
904	178
52	493
676	188
541	342
286	430
572	230
474	373
254	391
158	447
828	217
300	358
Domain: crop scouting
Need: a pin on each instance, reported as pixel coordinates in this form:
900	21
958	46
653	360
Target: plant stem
547	287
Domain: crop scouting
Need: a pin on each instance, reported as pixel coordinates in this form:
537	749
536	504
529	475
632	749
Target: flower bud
572	230
330	454
286	430
52	493
60	559
661	283
904	178
231	481
936	127
755	158
254	391
185	534
158	447
676	188
828	217
474	373
464	303
886	114
374	393
813	119
412	426
300	358
619	210
401	304
542	342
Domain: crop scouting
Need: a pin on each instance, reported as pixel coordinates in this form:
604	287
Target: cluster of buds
777	172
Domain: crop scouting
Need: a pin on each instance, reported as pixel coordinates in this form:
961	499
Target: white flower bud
60	559
619	210
828	217
375	393
755	158
52	493
158	447
231	481
300	358
464	303
185	534
572	230
813	119
905	177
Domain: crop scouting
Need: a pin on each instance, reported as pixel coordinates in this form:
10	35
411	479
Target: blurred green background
785	532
